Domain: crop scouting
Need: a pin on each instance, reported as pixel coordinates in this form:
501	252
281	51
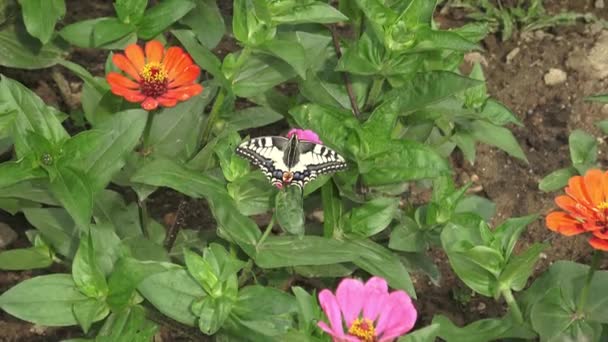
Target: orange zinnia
156	77
585	208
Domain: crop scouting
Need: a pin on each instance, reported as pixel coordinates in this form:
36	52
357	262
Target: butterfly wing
267	154
315	160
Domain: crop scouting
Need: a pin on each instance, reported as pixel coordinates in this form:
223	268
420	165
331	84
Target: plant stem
349	87
374	92
175	226
515	310
266	233
217	105
582	300
144	219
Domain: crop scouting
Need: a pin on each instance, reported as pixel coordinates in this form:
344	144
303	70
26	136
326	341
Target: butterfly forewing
277	155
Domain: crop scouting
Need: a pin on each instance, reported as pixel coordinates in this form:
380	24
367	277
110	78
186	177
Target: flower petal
350	295
600	244
376	292
154	51
149	104
594	186
305	134
129	94
125	65
570	205
184	62
135	54
185	92
115	78
605	185
576	189
172	57
186	77
167	102
398	318
330	306
563	223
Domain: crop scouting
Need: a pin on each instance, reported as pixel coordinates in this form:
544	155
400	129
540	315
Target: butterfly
290	161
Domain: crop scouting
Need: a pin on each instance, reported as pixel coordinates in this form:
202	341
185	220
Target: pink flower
369	312
304	134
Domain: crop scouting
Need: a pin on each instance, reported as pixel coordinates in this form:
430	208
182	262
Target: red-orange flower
585	209
156	77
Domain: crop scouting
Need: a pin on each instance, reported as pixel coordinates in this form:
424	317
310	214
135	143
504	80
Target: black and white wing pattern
290	161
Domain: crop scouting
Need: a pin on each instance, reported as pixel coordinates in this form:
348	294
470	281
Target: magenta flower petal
305	134
330	306
398	317
350	295
376	293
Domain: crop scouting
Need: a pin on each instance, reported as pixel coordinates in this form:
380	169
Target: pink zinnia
305	134
369	312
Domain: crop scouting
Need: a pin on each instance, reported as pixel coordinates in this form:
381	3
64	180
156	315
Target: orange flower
585	209
156	77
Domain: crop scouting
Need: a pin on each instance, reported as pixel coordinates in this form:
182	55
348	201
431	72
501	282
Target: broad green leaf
497	136
203	271
289	210
309	310
212	313
105	33
232	224
130	11
28	113
142	248
289	51
483	330
56	227
20	50
40	17
285	251
251	22
45	300
110	30
86	272
325	271
312	12
207	22
509	231
478	205
520	268
14	172
25	258
408	237
128	325
603	126
598	98
498	114
426	334
428	39
252	117
174	132
172	293
583	150
72	188
332	211
380	261
107	246
377	12
252	194
557	179
161	16
466	144
110	208
88	312
260	73
372	217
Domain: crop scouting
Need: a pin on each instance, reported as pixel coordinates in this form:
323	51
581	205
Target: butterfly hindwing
315	160
267	154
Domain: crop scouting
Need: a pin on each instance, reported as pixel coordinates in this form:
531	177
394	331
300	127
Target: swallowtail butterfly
290	161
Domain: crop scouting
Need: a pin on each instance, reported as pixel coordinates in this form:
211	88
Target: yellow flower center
363	329
154	72
603	205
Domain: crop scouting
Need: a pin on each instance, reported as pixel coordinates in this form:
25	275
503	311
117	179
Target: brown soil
548	112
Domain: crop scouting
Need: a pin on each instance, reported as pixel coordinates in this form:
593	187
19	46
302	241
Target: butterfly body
290	161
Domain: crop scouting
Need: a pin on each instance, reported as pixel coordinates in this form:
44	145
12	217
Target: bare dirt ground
549	112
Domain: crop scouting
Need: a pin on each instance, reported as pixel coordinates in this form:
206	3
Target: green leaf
426	334
110	30
172	293
161	16
497	136
98	33
28	113
520	267
20	50
289	210
232	224
598	98
252	117
56	227
260	73
498	114
86	272
380	261
130	11
14	172
428	39
26	258
285	251
204	272
251	22
72	189
583	150
201	54
110	208
603	126
88	312
509	231
332	211
212	313
207	22
483	330
252	194
126	277
478	205
129	325
40	17
557	179
313	12
289	51
45	300
408	237
372	217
